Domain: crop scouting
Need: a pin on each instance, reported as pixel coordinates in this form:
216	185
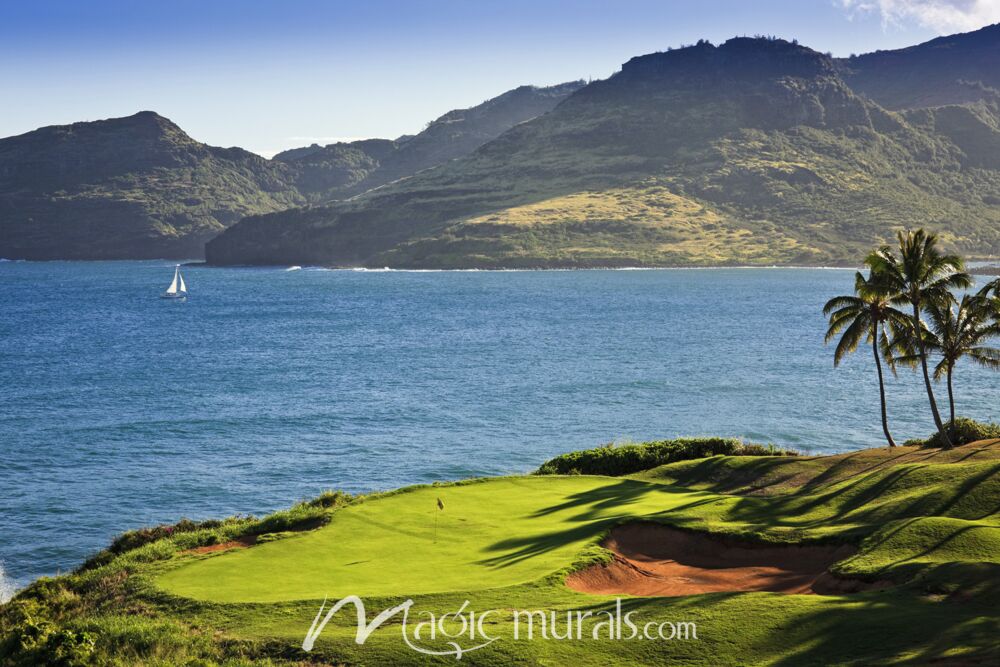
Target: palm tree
866	315
993	286
954	334
920	275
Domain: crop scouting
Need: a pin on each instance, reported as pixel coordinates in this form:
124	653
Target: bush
305	515
963	432
134	539
329	499
188	534
626	459
35	640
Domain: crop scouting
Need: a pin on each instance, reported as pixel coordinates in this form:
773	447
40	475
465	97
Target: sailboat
177	289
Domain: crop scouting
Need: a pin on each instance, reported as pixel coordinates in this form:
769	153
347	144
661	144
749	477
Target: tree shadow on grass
797	510
966	487
591	518
720	477
950	537
879	629
843	470
860	501
592	503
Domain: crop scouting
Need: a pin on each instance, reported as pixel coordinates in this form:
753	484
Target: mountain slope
343	169
135	187
326	172
752	152
946	70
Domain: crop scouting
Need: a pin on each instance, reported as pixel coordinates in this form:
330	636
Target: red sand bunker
651	559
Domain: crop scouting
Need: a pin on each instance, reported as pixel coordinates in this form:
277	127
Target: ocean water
268	385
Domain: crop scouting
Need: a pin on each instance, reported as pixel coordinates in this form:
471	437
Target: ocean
269	385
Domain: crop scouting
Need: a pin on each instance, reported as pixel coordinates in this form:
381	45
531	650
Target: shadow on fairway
895	629
595	511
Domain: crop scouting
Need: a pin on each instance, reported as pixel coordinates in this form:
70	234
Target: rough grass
925	520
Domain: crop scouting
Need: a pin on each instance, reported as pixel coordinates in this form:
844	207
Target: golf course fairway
896	549
491	533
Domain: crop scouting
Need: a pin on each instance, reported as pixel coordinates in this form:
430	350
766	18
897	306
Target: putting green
492	533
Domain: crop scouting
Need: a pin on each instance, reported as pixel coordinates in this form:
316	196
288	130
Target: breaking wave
7	587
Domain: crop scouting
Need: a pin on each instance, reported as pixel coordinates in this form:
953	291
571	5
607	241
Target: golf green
491	533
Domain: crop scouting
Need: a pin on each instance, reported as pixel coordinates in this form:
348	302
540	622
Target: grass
494	533
925	520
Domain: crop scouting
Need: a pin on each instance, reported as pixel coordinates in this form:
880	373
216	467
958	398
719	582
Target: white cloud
942	16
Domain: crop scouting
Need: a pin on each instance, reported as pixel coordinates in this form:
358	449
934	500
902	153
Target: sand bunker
650	559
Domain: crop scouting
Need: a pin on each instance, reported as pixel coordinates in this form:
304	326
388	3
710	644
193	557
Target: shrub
963	432
188	534
299	517
625	459
329	499
134	539
34	640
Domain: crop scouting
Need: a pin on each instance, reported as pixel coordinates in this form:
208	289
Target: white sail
173	286
183	286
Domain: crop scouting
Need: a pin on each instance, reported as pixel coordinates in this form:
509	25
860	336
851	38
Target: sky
271	75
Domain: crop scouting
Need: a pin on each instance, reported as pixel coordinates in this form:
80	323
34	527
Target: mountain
139	187
135	187
947	70
344	169
326	172
756	151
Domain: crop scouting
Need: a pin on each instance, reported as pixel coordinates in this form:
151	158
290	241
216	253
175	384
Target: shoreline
990	270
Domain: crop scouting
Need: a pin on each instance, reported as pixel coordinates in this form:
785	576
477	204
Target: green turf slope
492	533
925	525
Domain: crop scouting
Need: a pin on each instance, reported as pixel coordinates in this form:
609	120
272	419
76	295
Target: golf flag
440	504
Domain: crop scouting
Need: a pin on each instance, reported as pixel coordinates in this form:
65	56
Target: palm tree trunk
881	390
951	399
927	377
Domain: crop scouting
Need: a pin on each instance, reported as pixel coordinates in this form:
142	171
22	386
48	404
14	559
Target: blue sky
273	75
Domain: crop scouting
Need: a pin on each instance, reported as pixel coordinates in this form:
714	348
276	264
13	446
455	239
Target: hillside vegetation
753	152
946	70
139	187
127	188
341	170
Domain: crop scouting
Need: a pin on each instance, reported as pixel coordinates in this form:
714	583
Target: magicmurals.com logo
464	631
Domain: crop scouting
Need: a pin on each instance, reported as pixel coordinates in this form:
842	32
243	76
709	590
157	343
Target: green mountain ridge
752	152
344	169
139	187
758	151
134	187
947	70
